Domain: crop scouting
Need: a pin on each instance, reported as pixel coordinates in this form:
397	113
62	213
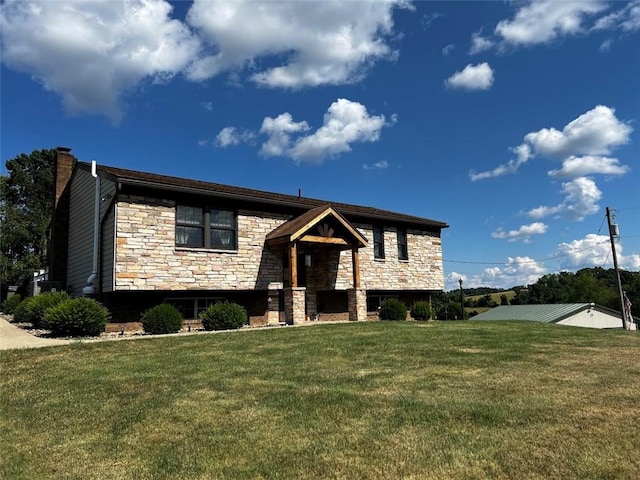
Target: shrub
32	310
421	311
223	316
393	309
10	304
163	318
76	317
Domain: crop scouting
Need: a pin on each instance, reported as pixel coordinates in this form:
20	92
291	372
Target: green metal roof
537	313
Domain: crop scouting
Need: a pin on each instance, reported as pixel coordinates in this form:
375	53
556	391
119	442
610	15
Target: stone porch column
294	305
273	313
357	301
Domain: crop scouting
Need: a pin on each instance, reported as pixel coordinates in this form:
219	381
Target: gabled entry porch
311	245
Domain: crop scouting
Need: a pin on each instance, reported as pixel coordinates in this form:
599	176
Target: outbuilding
587	315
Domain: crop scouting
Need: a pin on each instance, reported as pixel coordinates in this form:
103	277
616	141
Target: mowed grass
355	401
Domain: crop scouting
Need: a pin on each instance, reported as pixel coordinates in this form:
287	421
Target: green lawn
356	401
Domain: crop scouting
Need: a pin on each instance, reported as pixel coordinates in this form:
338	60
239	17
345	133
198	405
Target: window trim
207	228
403	247
378	245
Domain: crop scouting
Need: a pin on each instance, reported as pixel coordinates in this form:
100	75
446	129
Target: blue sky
514	122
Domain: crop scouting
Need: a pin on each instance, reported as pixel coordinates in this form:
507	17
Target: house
574	314
136	239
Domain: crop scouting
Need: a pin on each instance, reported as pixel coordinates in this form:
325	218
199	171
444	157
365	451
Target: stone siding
148	259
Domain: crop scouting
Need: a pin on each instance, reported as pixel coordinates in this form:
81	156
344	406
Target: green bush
393	309
163	318
10	304
223	316
76	317
421	311
32	309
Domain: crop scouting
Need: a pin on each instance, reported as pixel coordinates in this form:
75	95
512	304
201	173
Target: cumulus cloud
594	251
523	233
92	53
588	165
473	77
279	130
581	197
515	271
543	21
596	132
231	136
316	43
345	123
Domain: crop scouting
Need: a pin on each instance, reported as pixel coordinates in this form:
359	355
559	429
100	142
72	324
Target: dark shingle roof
152	180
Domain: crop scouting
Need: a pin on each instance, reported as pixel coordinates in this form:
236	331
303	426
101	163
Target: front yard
367	400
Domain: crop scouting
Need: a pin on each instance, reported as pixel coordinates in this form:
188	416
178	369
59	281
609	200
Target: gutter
90	289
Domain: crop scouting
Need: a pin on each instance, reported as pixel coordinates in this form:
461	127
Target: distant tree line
589	285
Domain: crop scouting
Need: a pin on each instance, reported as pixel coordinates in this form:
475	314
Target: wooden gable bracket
299	230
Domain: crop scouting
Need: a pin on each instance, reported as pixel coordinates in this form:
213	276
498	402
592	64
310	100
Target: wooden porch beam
293	264
319	239
355	259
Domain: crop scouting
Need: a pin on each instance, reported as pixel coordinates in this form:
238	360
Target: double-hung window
201	227
378	242
403	250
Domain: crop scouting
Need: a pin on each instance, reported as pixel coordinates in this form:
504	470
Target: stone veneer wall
423	270
148	259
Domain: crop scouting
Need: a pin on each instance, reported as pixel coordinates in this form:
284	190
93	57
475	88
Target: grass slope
358	401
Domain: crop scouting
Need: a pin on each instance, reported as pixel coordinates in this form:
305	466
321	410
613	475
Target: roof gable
335	229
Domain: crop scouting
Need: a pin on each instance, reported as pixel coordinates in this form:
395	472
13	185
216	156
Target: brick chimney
65	162
59	234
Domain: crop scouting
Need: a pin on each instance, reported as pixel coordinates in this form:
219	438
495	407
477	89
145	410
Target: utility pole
461	299
615	266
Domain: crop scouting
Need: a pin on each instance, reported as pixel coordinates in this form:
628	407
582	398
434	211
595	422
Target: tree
26	202
504	300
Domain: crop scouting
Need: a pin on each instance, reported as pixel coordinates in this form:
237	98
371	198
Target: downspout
90	289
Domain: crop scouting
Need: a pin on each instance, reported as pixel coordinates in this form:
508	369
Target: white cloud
279	130
316	43
92	53
594	251
626	18
589	165
480	43
596	132
516	271
524	233
473	77
376	166
208	106
448	49
345	123
428	19
231	136
581	197
523	154
543	21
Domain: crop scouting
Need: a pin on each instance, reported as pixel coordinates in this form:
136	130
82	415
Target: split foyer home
134	239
